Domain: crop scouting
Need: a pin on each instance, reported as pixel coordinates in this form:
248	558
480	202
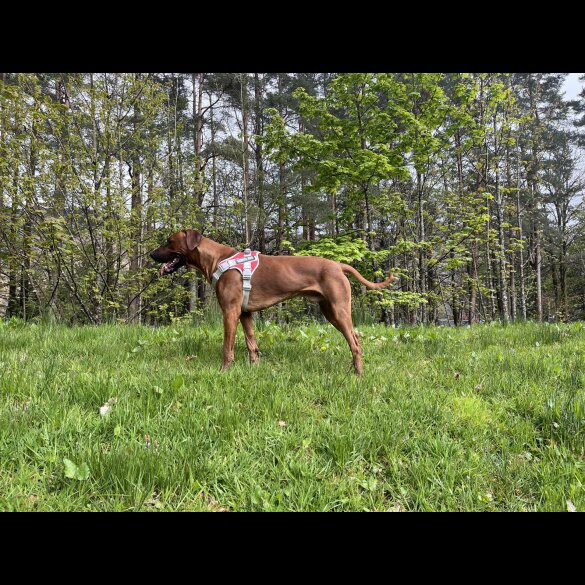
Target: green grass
489	418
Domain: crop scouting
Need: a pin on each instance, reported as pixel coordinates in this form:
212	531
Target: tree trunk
245	156
532	179
563	279
13	264
422	253
513	295
369	236
512	263
110	313
281	208
198	82
489	262
95	218
521	253
501	257
280	232
3	212
197	285
555	283
258	130
455	304
215	215
538	268
134	307
473	283
171	141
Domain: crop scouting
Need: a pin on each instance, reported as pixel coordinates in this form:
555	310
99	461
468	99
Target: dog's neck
208	254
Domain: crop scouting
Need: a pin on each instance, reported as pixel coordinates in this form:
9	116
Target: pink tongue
162	269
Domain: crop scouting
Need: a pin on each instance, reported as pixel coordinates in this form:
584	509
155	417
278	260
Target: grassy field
489	418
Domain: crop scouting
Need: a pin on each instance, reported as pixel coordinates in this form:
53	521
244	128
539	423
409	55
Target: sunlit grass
489	418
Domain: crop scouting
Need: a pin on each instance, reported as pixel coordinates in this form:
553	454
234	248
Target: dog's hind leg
248	325
339	315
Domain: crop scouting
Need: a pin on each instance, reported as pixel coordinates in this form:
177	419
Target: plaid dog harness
246	262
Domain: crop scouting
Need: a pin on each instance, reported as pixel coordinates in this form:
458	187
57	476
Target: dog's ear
193	239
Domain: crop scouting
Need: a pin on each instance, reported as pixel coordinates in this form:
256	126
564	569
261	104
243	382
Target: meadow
117	417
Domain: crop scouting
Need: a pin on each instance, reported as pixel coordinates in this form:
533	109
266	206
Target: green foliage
341	249
452	179
73	471
356	144
390	298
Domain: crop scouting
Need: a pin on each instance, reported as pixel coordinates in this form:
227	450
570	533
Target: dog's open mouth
172	265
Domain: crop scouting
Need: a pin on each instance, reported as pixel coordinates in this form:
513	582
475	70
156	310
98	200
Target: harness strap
227	264
220	270
246	284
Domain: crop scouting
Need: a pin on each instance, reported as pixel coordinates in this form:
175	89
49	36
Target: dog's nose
153	255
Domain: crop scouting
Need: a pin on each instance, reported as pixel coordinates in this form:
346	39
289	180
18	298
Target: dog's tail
347	269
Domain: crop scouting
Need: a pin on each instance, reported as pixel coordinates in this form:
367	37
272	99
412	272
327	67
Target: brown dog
277	278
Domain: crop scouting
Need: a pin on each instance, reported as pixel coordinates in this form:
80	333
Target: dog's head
178	251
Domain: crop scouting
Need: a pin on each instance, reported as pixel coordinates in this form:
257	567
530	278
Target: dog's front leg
248	325
230	323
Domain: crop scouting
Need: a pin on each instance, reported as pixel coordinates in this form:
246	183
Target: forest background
467	186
